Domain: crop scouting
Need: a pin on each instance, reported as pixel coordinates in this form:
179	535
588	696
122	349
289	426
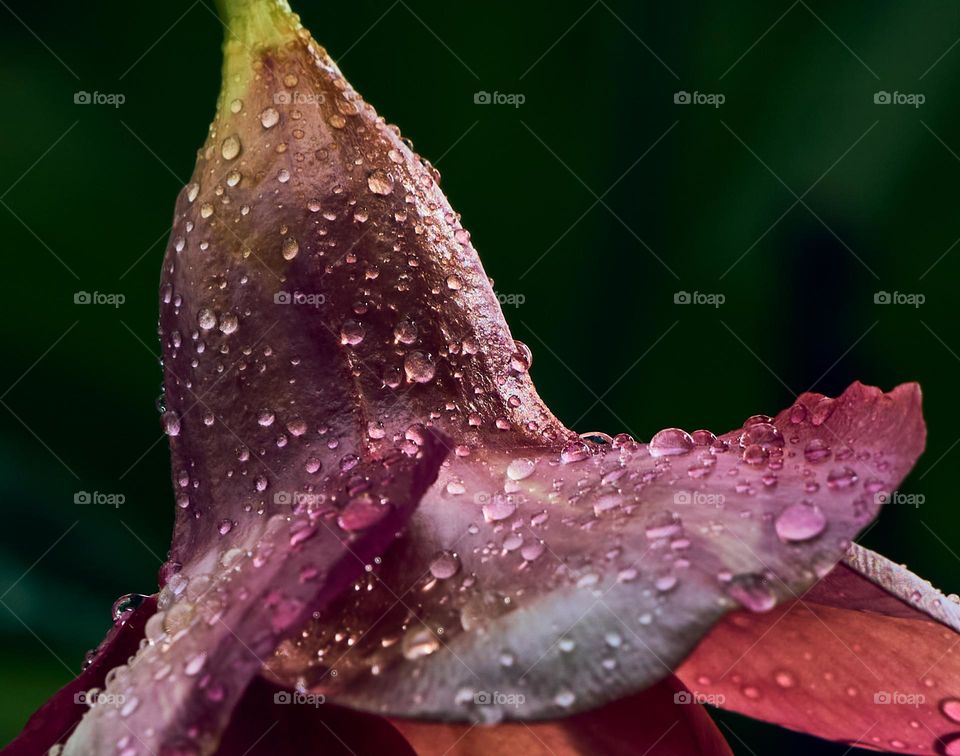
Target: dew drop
670	442
269	117
230	147
380	183
444	565
800	522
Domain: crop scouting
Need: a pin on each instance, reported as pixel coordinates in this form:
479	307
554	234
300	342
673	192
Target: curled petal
603	564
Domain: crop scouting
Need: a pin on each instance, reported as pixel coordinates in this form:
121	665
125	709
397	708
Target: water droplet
839	479
575	451
950	707
351	333
170	421
565	698
206	319
800	522
419	367
752	592
816	451
265	417
290	248
229	322
670	442
785	678
269	118
521	468
380	183
230	147
499	507
419	642
444	565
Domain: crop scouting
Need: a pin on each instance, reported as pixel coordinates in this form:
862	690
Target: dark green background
81	416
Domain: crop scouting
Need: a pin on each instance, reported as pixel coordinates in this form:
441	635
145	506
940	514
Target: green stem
250	27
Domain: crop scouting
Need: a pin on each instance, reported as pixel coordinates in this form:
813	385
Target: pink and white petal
578	576
870	656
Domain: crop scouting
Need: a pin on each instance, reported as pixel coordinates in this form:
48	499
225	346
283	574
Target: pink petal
526	569
870	656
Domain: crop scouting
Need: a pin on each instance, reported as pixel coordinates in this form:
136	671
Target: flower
377	516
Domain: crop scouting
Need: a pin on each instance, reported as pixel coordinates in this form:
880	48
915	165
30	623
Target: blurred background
779	166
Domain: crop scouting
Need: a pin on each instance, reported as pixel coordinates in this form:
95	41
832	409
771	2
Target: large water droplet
800	522
670	442
444	565
230	147
419	367
380	183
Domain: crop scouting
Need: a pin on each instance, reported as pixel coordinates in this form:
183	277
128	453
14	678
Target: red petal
270	721
661	721
850	661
